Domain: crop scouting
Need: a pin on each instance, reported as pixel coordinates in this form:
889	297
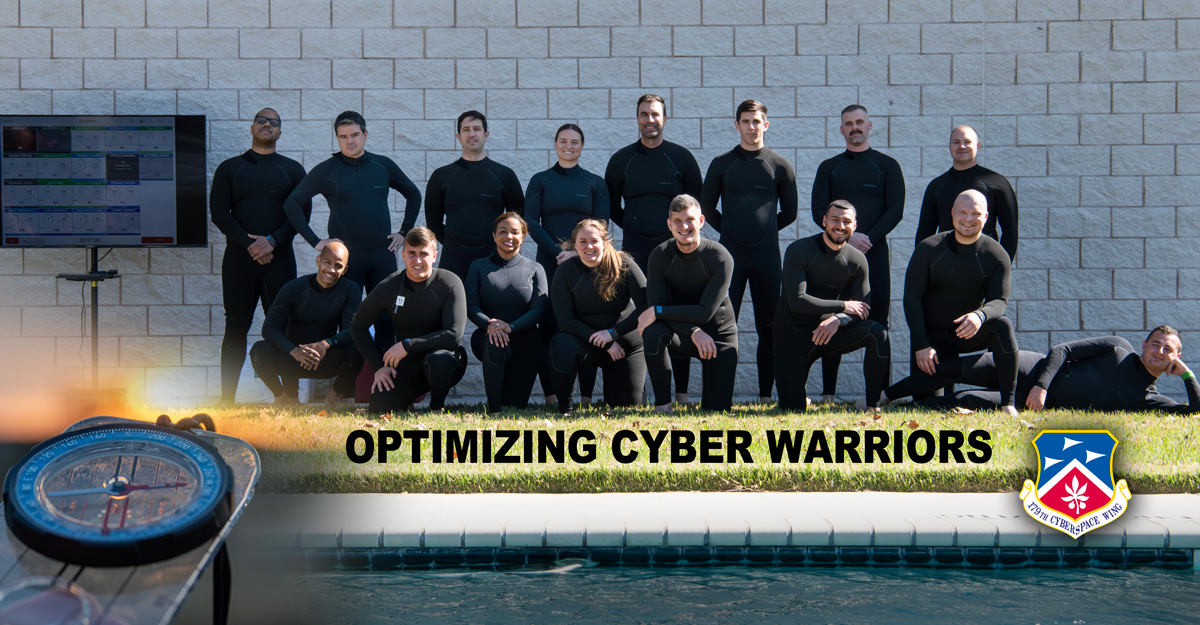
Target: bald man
956	290
307	331
967	173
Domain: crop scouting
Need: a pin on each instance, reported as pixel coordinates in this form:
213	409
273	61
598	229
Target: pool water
573	593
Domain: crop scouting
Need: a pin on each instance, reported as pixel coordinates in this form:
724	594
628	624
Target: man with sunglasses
246	202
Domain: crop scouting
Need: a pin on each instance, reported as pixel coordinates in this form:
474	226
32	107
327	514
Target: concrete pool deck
662	520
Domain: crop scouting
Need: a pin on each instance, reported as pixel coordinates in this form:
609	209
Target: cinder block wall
1090	107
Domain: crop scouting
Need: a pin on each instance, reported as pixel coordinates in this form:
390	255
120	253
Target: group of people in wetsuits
668	296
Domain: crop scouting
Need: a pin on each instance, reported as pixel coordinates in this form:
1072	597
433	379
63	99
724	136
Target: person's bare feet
334	399
861	403
665	408
1009	410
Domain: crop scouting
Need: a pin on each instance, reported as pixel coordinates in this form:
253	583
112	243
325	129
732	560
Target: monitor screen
103	181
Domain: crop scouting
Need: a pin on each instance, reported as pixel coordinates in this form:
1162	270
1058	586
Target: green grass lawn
304	451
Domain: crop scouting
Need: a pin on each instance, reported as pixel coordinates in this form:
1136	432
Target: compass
118	495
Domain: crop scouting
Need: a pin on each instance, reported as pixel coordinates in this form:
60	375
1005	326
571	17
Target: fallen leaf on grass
913	424
421	426
322	414
548	424
1028	425
958	410
877	416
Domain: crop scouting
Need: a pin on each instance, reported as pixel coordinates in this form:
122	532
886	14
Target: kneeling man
956	290
824	310
428	308
307	331
689	312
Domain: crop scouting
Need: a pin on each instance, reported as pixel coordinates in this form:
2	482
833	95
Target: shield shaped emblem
1075	490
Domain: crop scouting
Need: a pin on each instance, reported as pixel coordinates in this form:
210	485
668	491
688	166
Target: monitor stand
95	276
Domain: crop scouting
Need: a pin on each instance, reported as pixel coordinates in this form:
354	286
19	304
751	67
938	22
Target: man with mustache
874	184
646	176
824	310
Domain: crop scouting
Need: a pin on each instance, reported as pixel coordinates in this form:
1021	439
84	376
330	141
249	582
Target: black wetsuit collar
955	246
749	154
564	171
499	261
353	162
970	172
692	254
825	249
642	149
1142	371
316	284
417	287
465	164
853	155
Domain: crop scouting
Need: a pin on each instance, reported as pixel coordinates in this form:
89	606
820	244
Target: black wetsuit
817	281
1001	204
946	280
750	185
429	318
647	179
462	200
976	370
513	291
557	199
303	313
248	193
873	182
689	292
582	312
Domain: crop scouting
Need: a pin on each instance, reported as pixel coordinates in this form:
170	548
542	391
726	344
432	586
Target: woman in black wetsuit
597	296
506	294
557	199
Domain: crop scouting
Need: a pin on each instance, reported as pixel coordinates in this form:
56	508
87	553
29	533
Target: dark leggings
509	371
980	370
548	327
640	248
879	274
434	372
795	354
244	283
624	379
368	267
718	374
761	266
997	336
281	373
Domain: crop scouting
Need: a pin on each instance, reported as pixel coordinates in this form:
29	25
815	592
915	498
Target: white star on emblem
1091	455
1069	442
1051	462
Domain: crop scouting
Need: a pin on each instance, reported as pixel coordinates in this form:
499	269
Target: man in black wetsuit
874	184
1101	373
967	173
428	309
356	184
307	331
463	198
246	202
688	309
956	290
824	310
647	175
750	181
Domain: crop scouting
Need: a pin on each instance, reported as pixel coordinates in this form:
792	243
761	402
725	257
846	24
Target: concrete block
300	74
59	13
1145	284
952	99
703	41
1030	284
1016	100
547	13
423	13
205	43
238	13
844	11
919	11
179	320
1180	313
67	42
358	73
608	12
547	73
1016	37
642	41
1081	284
1055	130
325	105
242	74
670	12
51	73
578	103
1080	222
1114	129
1168	253
1109	10
827	39
1114	191
580	42
151	289
87	102
1154	221
1048	315
994	69
176	73
517	104
1187	34
712	102
1112	66
47	321
448	104
393	103
424	74
145	102
857	70
1155	70
1078	36
98	13
1157	9
201	350
393	43
1148	160
1143	97
733	71
795	70
171	13
1160	129
919	69
1143	35
1171	190
780	100
1080	98
670	72
795	11
1188	94
515	42
10	321
765	40
331	43
1114	253
157	351
456	43
10	74
1079	160
617	72
890	39
483	13
1048	67
1042	10
984	10
1049	253
310	13
566	532
528	532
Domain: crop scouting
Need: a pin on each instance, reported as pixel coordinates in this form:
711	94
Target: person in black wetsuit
307	331
597	295
688	309
555	202
874	184
428	308
246	202
956	290
1102	373
506	297
647	175
750	181
967	173
463	198
355	184
824	310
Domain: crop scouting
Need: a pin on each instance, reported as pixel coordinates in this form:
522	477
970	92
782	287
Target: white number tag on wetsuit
399	302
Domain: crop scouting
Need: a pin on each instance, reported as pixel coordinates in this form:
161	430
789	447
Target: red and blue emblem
1075	491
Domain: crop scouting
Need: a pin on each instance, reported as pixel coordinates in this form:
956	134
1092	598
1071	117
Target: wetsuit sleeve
220	205
293	207
820	194
474	310
714	294
999	291
1083	349
789	196
795	274
916	280
285	232
710	194
352	302
1166	404
276	321
564	305
635	281
536	305
376	304
1006	216
533	216
399	181
612	179
601	204
893	203
454	323
514	196
927	221
657	294
435	207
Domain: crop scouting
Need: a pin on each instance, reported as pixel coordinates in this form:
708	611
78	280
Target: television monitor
103	181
